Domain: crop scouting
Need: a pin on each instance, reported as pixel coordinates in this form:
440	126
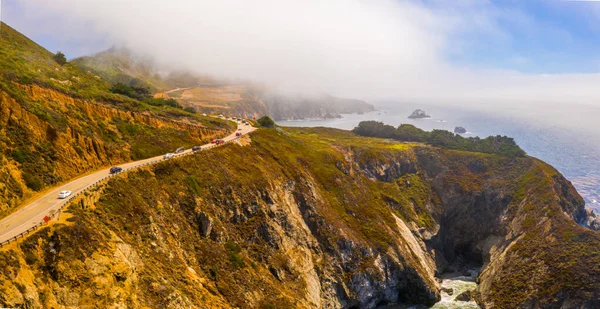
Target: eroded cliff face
308	218
51	137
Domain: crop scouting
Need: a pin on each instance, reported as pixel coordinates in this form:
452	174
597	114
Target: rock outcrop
460	130
465	296
418	114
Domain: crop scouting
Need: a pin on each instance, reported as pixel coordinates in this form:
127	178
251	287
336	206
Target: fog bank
362	49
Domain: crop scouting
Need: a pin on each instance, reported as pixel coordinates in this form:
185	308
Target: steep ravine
313	218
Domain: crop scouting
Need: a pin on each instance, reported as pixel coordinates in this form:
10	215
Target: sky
471	50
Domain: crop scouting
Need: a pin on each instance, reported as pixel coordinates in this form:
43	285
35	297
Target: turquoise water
567	137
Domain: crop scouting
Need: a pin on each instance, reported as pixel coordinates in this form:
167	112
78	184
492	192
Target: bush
123	89
163	102
21	155
60	58
376	129
266	121
32	181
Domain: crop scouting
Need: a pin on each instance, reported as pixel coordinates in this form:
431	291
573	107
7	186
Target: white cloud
356	48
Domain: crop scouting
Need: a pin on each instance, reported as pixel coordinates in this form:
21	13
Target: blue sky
537	37
527	36
54	31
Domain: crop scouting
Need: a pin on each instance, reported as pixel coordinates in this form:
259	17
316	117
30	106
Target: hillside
313	218
58	122
208	95
254	101
121	65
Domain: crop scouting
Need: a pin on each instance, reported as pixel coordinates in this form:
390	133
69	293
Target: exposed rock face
75	136
591	221
464	296
314	221
281	107
460	130
418	113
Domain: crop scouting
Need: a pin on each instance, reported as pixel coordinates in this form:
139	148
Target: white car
64	194
169	156
204	115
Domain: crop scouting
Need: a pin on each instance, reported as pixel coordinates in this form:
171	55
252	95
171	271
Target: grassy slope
59	122
159	206
553	258
115	65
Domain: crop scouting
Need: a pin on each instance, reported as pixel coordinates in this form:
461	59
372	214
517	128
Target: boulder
460	130
465	296
206	224
448	291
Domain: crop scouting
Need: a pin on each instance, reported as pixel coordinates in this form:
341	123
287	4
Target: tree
266	122
375	129
60	58
190	110
123	89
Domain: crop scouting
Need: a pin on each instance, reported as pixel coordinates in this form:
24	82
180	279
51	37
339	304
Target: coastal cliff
58	122
313	218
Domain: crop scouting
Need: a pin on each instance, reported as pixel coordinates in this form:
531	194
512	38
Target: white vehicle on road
64	194
169	156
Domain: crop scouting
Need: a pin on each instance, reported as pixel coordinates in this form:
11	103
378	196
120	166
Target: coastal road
34	211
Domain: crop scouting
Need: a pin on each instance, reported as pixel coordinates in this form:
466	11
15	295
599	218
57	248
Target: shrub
32	181
193	184
20	155
123	89
376	129
266	122
162	102
60	58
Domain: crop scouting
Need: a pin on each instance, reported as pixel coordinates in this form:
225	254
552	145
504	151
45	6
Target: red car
238	134
214	141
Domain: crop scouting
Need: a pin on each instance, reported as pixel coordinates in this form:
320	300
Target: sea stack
460	130
419	113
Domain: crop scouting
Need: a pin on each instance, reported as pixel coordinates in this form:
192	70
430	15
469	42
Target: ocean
565	136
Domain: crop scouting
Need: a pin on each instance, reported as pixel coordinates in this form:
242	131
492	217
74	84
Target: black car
196	148
116	169
180	149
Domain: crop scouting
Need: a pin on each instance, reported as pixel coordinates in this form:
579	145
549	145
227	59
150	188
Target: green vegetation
344	187
136	92
60	58
553	256
266	121
501	145
143	94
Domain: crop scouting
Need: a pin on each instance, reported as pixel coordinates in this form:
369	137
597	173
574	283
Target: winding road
48	203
